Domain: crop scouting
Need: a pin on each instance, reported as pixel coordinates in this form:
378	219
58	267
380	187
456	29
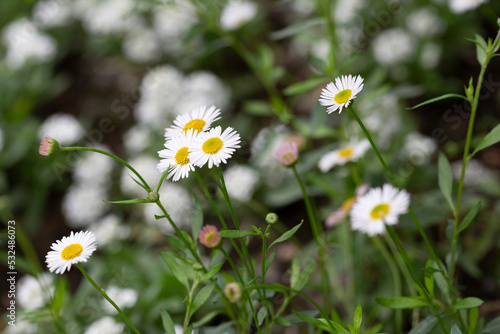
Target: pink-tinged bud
233	292
209	236
48	146
287	154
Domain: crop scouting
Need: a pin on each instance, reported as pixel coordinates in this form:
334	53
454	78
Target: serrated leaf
358	317
436	99
469	217
176	268
445	179
455	329
197	221
168	325
202	297
303	86
467	303
491	138
212	272
231	234
287	235
401	302
128	201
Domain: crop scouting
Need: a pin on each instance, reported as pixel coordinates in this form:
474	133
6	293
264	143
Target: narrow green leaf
491	138
439	98
481	48
231	234
473	318
212	272
303	86
455	329
176	269
270	258
60	295
296	28
401	302
358	317
261	315
468	302
287	235
282	322
429	279
206	318
469	217
375	329
197	221
168	325
128	201
493	327
321	323
304	275
445	179
257	108
202	297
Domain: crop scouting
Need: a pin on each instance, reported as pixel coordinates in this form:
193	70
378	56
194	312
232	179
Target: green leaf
202	297
168	325
257	108
425	326
375	329
211	273
206	318
358	317
269	259
401	302
493	327
303	86
176	269
261	315
231	234
197	221
491	138
296	28
481	48
300	277
429	279
287	235
439	98
445	179
455	329
469	217
128	201
321	323
473	317
60	295
467	303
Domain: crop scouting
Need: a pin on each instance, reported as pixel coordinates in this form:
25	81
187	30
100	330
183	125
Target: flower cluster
191	143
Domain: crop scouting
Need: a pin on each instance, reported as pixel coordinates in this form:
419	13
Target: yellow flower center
209	236
71	251
343	96
346	152
348	203
181	157
212	145
196	124
380	211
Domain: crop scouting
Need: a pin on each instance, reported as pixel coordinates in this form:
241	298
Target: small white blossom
461	6
52	13
105	325
83	205
64	128
241	182
124	298
237	13
34	292
393	46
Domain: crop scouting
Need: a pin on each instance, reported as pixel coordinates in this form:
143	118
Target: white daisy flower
198	120
351	152
176	156
377	208
340	94
214	147
70	250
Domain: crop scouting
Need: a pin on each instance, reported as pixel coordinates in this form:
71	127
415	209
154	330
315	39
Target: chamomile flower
70	250
339	95
176	156
198	120
377	208
351	152
214	147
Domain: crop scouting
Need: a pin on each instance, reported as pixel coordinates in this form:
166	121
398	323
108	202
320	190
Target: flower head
176	156
351	152
70	250
271	218
461	6
232	291
377	208
48	146
339	215
209	236
214	147
287	154
339	95
237	13
198	120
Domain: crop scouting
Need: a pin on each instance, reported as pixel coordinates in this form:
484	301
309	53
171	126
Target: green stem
395	277
188	307
103	293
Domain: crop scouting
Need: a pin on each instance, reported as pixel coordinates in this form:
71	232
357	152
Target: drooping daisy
339	95
214	147
176	155
70	250
198	120
377	208
351	152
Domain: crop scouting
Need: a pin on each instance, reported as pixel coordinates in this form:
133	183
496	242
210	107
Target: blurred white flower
475	174
34	292
124	298
25	43
105	325
107	17
350	152
22	327
109	228
303	7
64	128
393	46
178	203
461	6
136	139
51	13
83	204
94	168
320	48
430	55
425	22
237	13
141	45
144	165
418	148
241	181
347	10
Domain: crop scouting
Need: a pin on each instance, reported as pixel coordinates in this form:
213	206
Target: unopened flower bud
271	218
209	236
153	197
48	146
233	292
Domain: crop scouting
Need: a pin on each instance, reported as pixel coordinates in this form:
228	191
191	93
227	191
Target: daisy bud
287	154
153	197
271	218
48	146
209	236
233	292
